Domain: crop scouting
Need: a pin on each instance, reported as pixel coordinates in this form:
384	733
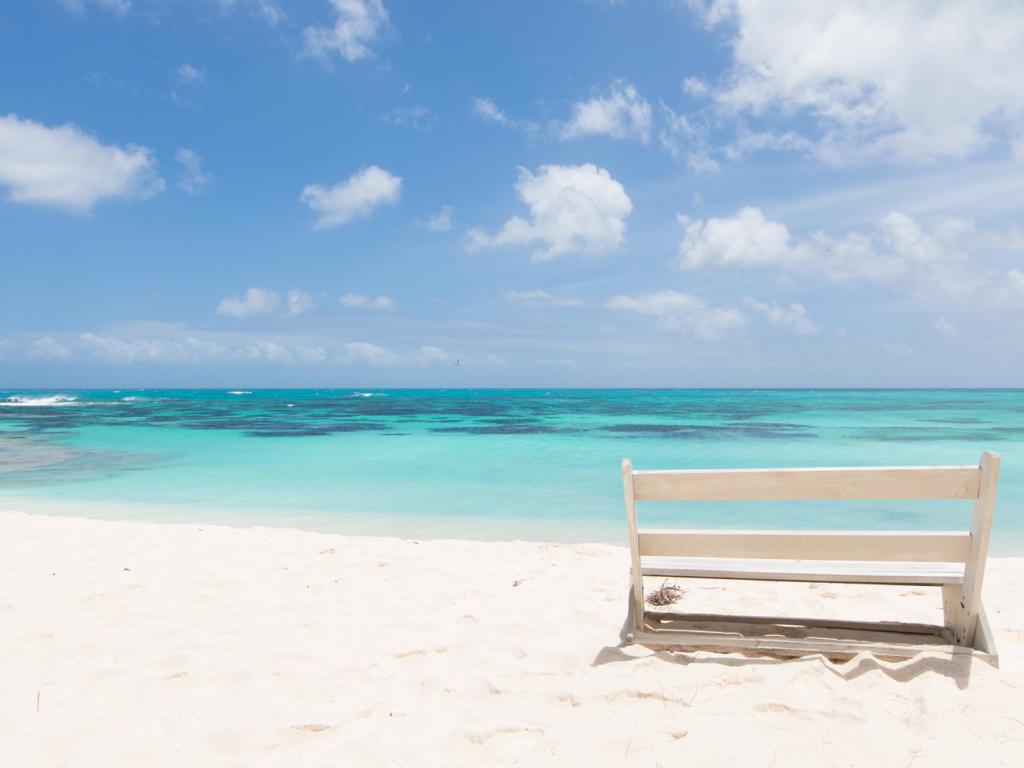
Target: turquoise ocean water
540	465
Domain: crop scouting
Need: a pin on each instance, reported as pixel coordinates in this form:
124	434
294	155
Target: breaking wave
30	401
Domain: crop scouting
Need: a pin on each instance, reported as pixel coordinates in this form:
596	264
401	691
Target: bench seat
838	571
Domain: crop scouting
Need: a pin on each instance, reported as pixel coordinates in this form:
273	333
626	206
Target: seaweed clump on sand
666	594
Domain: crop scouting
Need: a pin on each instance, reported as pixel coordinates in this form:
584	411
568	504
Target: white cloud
67	168
931	264
358	24
194	179
261	301
684	312
542	299
356	197
573	208
794	317
299	302
358	301
440	221
916	81
620	113
47	348
747	239
257	301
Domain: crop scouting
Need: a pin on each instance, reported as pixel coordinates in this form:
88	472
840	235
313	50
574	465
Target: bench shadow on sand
954	663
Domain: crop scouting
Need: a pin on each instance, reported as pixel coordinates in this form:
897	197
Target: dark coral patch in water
503	429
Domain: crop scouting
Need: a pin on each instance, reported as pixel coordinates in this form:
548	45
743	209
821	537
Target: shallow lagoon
530	464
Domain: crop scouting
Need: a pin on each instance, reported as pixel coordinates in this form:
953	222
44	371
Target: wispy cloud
418	117
358	301
193	179
946	328
256	301
358	24
78	7
178	345
189	82
299	302
190	76
486	110
376	355
47	348
542	299
440	221
620	113
683	312
195	348
268	10
684	139
794	317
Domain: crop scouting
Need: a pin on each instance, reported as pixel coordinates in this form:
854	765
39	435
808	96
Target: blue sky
364	193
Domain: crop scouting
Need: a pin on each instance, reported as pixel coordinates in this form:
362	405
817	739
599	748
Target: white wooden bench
954	561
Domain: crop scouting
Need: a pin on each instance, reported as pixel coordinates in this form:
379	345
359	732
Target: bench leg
962	603
956	618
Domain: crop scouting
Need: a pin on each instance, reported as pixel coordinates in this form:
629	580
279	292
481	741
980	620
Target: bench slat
855	572
938	546
657	618
957	482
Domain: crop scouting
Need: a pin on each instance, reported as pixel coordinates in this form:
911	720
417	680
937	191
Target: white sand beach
143	644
